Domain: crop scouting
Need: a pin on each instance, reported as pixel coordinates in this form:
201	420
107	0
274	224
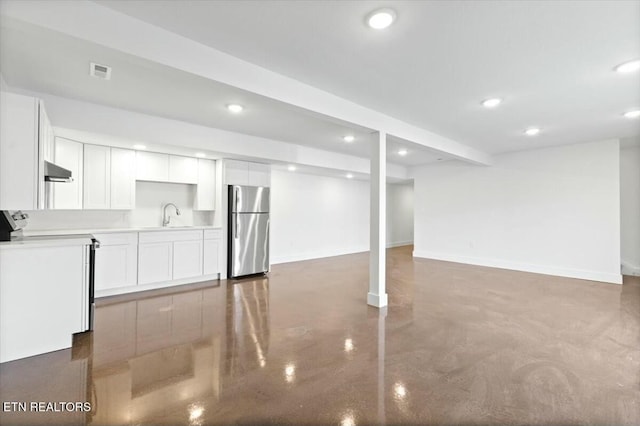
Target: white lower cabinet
211	252
43	297
116	260
169	255
187	259
155	262
129	261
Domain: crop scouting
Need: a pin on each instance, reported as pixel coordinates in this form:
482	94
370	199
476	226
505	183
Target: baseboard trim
606	277
400	244
316	255
154	286
330	253
629	268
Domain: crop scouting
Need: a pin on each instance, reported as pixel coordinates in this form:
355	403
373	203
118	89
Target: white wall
399	214
318	216
554	211
150	197
630	209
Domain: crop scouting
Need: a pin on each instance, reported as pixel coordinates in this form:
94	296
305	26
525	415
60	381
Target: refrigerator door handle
237	226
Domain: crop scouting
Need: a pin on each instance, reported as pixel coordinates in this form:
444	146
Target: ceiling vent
100	71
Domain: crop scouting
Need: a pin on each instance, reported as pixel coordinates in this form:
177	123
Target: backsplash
150	198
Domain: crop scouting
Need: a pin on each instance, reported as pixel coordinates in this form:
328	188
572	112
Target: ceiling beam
98	24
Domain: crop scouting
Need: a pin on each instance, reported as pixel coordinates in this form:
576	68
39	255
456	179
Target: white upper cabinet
183	169
123	179
152	166
259	174
97	177
109	178
46	143
156	167
246	173
236	172
206	189
24	132
69	154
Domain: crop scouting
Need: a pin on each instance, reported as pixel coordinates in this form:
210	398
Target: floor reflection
247	326
155	355
458	345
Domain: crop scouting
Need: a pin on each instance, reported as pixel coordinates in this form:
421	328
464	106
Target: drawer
163	236
212	234
115	239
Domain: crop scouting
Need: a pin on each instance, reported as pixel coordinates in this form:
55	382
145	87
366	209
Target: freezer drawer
249	243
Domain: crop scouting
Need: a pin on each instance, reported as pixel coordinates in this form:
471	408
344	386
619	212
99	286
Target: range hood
55	173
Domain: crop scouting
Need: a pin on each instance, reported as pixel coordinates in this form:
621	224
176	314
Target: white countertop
58	232
47	240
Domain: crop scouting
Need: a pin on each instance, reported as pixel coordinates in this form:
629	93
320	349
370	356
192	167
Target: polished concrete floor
457	345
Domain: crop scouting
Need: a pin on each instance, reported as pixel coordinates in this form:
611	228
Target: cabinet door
36	318
19	169
259	174
183	169
155	262
116	266
152	166
206	189
97	177
211	257
187	259
123	179
69	154
236	172
46	150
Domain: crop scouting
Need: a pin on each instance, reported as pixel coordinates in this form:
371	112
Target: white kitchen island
44	293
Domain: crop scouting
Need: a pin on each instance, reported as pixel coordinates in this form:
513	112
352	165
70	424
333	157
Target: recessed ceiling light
491	103
402	152
348	138
292	168
200	154
627	67
139	146
349	176
632	114
381	18
532	131
235	108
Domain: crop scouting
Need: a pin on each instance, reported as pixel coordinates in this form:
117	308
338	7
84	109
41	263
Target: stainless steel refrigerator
248	251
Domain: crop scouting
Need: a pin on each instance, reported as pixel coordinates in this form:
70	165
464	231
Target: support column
377	295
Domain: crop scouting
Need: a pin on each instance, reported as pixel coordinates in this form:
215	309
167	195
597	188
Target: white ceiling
551	61
42	60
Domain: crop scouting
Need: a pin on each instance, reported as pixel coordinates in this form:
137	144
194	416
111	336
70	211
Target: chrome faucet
166	219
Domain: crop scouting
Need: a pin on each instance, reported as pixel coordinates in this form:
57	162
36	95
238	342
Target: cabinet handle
235	191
